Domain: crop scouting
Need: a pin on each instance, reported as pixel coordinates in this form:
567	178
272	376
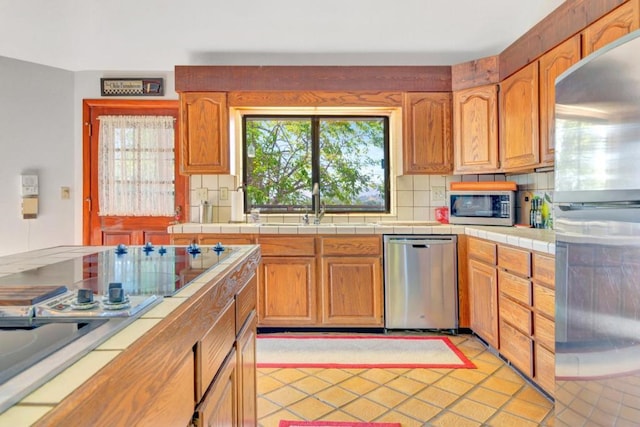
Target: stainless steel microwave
482	207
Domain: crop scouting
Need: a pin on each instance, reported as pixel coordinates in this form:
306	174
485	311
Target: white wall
41	131
36	135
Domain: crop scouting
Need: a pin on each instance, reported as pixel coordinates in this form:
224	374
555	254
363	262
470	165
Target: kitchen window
348	156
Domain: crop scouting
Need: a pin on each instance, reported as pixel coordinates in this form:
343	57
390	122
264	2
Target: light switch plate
65	193
224	193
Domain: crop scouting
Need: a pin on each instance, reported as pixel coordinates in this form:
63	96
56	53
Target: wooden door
519	128
483	296
619	22
427	145
552	64
352	291
130	230
475	130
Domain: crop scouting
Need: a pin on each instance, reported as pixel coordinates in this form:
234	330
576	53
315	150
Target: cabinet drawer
516	347
226	239
515	287
246	300
515	260
287	246
544	269
214	347
545	371
544	300
351	246
515	314
544	331
482	250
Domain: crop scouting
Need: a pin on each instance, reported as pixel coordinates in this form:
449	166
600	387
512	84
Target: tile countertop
528	238
33	406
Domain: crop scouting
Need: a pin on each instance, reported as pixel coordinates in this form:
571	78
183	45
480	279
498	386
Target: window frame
315	119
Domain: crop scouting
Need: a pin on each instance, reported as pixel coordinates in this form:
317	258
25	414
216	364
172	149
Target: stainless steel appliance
52	315
482	207
420	282
597	223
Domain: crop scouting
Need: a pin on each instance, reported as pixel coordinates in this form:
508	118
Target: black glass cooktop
141	271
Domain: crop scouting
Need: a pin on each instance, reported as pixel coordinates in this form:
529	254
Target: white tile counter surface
43	399
528	238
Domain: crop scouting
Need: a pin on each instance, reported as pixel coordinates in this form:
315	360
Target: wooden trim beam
568	19
207	78
474	73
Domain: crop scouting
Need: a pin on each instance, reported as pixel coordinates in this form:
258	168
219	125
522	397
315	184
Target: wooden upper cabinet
519	127
204	133
552	64
475	129
427	147
610	27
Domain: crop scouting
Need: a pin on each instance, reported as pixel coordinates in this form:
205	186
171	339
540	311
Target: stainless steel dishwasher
421	282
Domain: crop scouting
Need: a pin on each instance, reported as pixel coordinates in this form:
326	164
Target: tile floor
491	395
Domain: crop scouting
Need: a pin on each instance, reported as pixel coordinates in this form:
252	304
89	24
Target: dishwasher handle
420	242
420	246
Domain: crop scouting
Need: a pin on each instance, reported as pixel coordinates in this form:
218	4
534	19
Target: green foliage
351	152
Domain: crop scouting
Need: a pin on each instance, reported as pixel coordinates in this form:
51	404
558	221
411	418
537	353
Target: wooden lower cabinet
351	291
517	347
287	291
174	404
246	373
483	300
512	305
218	408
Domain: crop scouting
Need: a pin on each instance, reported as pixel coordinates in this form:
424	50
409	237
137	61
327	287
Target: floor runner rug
358	351
285	423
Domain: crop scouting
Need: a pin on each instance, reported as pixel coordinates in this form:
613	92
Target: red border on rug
288	423
465	363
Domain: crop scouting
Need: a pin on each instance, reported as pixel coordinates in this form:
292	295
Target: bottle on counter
532	212
538	219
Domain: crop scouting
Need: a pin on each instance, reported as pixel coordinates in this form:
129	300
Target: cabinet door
552	64
427	146
246	374
352	291
612	26
172	405
519	142
219	406
475	129
287	291
205	133
483	296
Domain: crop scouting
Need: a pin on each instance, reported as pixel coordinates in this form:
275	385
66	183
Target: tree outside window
347	156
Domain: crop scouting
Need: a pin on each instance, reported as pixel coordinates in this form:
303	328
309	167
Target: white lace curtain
136	166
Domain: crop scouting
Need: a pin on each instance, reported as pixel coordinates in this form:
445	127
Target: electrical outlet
437	194
201	194
65	193
224	193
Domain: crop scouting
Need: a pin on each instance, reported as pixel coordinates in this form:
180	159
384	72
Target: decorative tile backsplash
415	198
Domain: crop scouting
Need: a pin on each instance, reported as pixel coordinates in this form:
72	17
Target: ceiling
156	35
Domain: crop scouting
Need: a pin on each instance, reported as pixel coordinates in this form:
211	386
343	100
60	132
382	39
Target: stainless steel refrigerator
597	224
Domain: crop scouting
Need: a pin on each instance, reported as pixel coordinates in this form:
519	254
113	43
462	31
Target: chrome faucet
318	213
